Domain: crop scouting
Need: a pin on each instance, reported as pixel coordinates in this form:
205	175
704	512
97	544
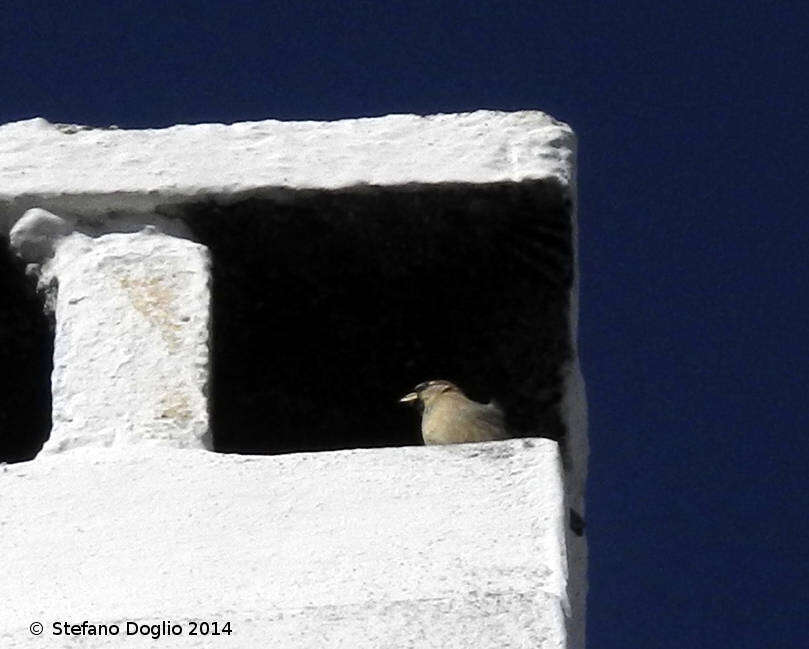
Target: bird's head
426	393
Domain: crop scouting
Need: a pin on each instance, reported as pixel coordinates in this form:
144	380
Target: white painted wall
455	546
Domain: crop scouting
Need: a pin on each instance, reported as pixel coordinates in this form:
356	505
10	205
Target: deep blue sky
693	141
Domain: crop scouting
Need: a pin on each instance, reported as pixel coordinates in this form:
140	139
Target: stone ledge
451	546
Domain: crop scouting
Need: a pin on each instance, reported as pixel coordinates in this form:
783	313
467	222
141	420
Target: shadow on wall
329	306
26	362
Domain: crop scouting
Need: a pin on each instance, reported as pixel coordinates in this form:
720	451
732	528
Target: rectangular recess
330	305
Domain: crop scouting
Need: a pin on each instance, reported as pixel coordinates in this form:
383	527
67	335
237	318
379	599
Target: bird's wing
489	423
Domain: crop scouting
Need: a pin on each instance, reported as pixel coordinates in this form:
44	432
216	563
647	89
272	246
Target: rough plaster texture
131	340
457	546
67	167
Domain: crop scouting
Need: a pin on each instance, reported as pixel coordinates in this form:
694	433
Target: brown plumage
448	416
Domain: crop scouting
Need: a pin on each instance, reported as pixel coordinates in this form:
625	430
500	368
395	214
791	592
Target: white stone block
131	341
93	170
446	547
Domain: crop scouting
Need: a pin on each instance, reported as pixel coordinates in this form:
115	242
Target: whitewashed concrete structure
411	547
131	340
416	547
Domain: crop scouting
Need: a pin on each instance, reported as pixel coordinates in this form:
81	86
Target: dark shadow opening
330	305
26	362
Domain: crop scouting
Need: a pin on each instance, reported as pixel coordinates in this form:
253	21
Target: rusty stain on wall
155	301
175	406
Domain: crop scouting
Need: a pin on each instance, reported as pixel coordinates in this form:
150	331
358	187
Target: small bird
448	416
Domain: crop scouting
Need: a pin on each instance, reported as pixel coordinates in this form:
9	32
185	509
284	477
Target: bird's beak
408	398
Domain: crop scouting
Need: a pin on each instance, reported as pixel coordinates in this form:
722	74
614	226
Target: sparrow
448	416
